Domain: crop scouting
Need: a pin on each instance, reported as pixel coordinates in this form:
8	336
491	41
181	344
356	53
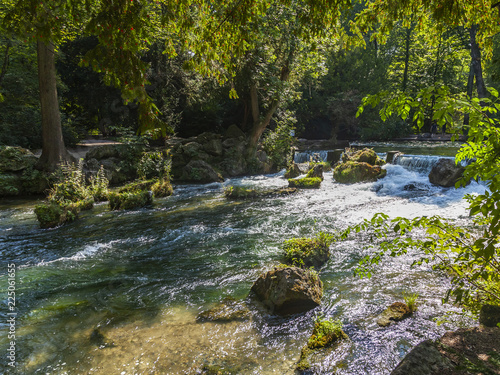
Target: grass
411	301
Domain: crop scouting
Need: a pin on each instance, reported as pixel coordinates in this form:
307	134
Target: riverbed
142	276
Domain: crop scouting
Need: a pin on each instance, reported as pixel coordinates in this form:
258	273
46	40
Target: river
142	276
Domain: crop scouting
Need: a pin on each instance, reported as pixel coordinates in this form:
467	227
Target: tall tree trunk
475	53
53	149
470	86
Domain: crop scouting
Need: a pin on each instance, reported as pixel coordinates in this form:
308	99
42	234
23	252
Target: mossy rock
137	186
326	333
239	192
293	171
52	215
13	159
316	171
305	183
129	200
366	155
228	310
394	313
162	188
306	252
289	290
352	172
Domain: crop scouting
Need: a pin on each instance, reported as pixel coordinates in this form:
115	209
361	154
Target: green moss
325	333
52	215
238	192
352	172
305	183
308	252
162	188
303	363
137	186
126	201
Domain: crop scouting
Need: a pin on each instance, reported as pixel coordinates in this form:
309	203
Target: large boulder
352	172
289	290
425	358
445	173
13	159
366	155
489	315
462	352
200	171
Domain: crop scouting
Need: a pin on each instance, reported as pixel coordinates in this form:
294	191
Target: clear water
142	276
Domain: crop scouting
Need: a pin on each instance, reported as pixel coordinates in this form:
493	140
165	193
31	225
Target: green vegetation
411	301
305	183
308	252
351	172
471	255
129	200
326	332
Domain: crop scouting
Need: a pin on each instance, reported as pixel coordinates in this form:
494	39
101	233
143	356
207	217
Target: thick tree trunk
475	53
53	149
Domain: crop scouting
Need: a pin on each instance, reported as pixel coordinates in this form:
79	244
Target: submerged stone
289	290
394	313
227	310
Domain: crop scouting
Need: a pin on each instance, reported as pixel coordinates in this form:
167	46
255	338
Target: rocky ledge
466	351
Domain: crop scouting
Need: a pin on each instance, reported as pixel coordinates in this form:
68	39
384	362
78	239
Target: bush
98	186
305	183
278	143
154	165
71	186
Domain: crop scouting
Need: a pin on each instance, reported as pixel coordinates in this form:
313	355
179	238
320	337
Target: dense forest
150	67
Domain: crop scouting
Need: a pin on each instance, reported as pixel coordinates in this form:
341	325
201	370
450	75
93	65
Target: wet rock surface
289	290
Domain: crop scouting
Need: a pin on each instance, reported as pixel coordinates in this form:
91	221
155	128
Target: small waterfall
305	156
418	163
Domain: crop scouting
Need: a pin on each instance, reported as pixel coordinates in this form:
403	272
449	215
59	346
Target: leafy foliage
470	255
278	143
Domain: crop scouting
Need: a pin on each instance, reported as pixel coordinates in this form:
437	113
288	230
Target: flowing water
142	276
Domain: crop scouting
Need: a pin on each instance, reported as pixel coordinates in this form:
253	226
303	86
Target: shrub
98	186
154	165
305	183
71	186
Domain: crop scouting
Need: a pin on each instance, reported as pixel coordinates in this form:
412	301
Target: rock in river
289	290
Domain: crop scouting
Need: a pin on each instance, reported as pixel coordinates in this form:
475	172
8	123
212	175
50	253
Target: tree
123	29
